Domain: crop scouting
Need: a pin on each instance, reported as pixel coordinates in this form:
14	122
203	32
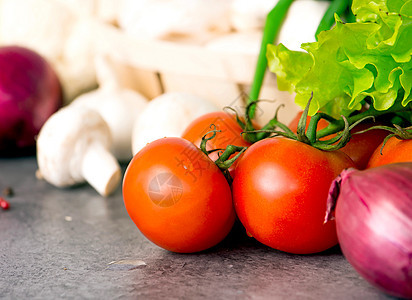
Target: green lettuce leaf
368	58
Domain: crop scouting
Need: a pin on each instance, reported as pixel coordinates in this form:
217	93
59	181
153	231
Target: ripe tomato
280	190
231	133
395	150
360	147
177	197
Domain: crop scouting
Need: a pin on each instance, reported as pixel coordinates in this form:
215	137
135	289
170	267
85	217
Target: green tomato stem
342	139
301	131
205	139
271	125
312	127
338	125
224	161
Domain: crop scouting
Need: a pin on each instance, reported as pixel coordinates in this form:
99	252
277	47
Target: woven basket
155	67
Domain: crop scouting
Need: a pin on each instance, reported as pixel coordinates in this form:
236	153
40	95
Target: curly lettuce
352	61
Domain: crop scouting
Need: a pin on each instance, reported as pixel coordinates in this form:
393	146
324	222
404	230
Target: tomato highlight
280	190
177	197
393	151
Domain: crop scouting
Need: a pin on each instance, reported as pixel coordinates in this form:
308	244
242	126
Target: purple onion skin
30	92
373	215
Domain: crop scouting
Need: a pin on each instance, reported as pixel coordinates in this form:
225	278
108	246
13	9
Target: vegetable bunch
175	192
352	61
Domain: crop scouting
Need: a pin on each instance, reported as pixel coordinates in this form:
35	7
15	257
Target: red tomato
360	147
231	133
395	150
177	197
280	190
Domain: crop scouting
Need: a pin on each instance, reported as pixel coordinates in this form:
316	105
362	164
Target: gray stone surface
74	244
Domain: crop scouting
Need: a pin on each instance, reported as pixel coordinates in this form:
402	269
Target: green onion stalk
271	29
272	26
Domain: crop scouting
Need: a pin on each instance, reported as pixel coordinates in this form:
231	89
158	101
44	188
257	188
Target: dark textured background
74	244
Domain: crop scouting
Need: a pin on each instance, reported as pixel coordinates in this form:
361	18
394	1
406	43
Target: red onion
373	216
29	93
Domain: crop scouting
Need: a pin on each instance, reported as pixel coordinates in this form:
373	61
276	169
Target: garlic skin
168	115
373	214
